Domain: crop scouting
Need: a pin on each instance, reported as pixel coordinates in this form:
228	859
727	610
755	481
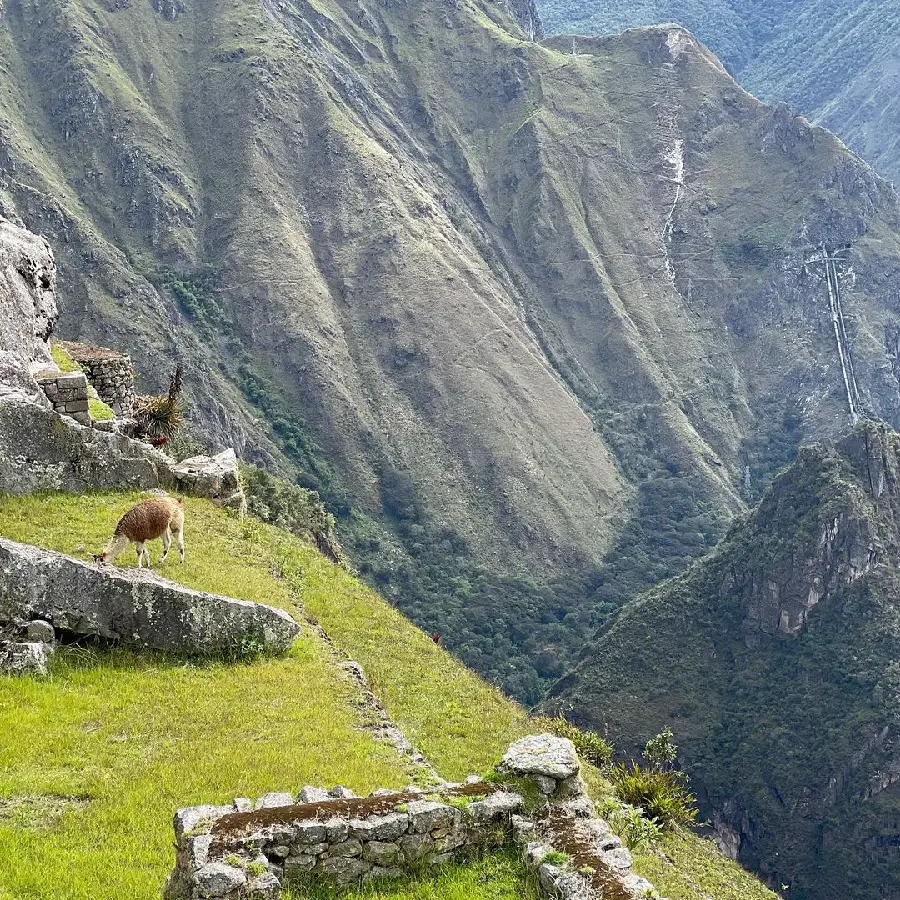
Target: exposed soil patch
565	835
353	808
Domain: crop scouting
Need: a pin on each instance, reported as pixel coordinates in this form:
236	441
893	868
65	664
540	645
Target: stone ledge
339	838
133	606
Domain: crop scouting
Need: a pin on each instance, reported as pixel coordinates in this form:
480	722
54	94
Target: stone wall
252	849
67	393
110	373
248	849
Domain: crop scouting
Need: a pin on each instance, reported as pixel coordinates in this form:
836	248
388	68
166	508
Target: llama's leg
147	557
140	553
167	540
181	543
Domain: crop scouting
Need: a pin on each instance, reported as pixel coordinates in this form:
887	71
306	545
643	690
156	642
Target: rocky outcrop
43	451
215	477
27	309
134	606
774	661
526	14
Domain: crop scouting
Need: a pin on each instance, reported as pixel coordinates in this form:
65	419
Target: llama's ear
181	501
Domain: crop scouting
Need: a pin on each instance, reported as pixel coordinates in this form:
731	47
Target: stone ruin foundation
253	849
109	372
67	393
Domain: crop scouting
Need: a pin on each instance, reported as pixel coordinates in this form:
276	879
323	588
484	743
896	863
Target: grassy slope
143	735
439	267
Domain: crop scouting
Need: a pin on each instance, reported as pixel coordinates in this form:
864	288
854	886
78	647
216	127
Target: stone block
312	795
426	815
381	853
217	880
274	800
343	869
337	829
40	632
380	828
26	658
297	863
309	832
495	808
75	406
350	847
133	606
545	755
416	846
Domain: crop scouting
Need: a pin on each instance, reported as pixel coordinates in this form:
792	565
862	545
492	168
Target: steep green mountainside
774	660
536	324
837	63
95	759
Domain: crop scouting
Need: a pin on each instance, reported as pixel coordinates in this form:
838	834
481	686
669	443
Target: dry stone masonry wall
252	850
109	372
67	393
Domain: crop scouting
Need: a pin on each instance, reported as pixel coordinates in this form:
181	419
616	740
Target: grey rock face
43	451
133	606
25	658
544	755
27	309
40	632
217	880
215	477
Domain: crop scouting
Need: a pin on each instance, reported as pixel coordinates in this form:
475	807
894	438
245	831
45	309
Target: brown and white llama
155	517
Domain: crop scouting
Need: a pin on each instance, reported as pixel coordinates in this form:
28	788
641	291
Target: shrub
660	751
591	747
631	824
161	416
292	508
663	796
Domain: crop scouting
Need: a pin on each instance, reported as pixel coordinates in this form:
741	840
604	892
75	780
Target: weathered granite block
133	606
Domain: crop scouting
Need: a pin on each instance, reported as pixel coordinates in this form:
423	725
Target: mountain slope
774	661
97	758
536	324
838	64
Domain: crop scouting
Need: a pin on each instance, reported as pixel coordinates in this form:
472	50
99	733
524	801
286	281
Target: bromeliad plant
160	417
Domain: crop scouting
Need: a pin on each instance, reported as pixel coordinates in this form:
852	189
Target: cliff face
774	661
27	309
536	323
836	65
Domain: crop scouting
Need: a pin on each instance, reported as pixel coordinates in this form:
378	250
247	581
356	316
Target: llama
151	518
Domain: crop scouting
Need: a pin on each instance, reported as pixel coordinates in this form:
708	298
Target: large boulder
544	755
27	309
133	606
215	477
41	450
